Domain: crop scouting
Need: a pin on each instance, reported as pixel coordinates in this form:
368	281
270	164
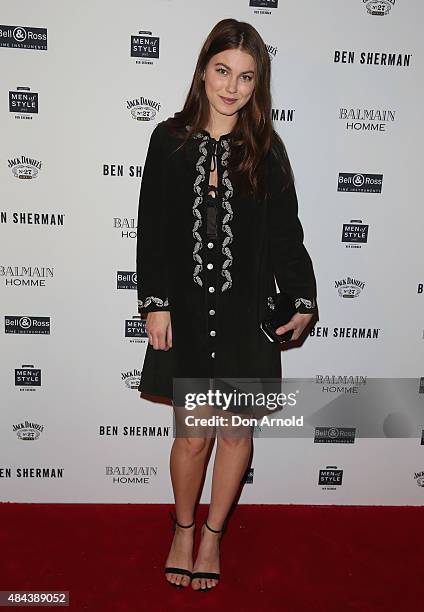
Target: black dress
211	262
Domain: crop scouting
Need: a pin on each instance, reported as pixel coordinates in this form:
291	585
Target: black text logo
357	182
23	37
355	233
26	325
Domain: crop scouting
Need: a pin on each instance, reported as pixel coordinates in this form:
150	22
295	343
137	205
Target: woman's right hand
159	329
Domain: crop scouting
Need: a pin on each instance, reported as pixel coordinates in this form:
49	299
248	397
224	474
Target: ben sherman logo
382	7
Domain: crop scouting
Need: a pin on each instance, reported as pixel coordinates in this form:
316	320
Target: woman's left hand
298	322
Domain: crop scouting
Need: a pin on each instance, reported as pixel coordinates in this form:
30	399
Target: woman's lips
228	100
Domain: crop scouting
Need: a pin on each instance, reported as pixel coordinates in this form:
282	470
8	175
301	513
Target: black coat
216	290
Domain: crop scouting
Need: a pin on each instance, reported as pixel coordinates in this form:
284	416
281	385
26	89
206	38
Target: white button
212	354
211	289
212	332
212	312
210	245
209	266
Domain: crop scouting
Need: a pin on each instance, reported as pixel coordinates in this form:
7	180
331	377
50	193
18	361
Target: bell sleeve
151	259
291	263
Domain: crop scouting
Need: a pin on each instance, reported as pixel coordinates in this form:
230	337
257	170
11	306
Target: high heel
178	570
211	575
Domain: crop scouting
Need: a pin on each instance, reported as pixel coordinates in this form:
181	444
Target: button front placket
211	211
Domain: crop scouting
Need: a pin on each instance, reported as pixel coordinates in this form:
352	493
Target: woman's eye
221	69
248	77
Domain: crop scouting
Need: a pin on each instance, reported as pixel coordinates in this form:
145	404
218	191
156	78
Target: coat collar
205	135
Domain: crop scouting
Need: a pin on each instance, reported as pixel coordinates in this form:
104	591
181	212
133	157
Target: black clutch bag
281	308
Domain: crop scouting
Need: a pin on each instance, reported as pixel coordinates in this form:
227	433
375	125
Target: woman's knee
193	446
235	440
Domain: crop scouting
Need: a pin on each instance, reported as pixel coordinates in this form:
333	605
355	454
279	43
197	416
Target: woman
217	224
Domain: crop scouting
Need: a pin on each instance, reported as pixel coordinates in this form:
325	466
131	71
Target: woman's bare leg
231	460
187	463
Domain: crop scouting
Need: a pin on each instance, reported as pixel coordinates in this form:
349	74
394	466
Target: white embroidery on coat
228	215
308	303
158	301
196	212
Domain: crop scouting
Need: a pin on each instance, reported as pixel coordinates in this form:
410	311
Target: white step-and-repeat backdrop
82	86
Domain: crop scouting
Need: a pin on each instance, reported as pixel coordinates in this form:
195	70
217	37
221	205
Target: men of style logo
23	37
135	328
144	46
24	167
126	280
380	8
355	234
330	478
267	4
27	377
23	102
364	183
26	325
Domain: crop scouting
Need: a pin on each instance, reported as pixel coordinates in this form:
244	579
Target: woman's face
229	80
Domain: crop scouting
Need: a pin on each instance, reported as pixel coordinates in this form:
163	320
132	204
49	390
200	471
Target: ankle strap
210	528
179	524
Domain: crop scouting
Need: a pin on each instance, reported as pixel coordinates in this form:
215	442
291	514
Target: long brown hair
253	136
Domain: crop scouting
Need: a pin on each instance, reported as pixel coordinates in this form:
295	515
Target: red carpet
315	558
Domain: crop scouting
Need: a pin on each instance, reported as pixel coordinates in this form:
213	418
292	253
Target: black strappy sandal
178	570
212	575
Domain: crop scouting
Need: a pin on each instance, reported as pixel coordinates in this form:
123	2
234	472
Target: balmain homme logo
127	226
355	233
349	287
126	280
143	109
23	37
380	7
334	435
360	183
16	324
372	58
25	276
23	102
367	119
27	377
131	474
24	167
145	46
26	430
348	385
330	478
